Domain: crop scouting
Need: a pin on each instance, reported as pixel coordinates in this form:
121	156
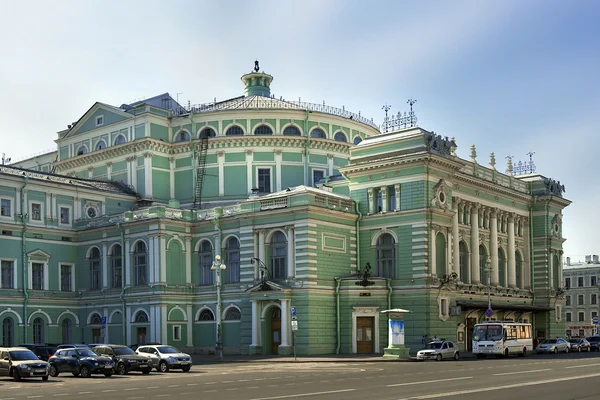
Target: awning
483	305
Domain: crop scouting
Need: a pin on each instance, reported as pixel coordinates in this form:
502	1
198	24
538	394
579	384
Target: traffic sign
595	320
489	313
103	321
294	325
293	311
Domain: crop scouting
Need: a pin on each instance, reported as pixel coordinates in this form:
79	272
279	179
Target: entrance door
96	335
364	335
470	325
141	335
275	330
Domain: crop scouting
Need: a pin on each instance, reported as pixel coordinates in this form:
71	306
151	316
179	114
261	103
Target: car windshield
550	341
434	345
487	332
23	355
123	351
574	341
167	350
86	353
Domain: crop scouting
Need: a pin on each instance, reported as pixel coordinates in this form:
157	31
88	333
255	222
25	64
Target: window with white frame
580	281
140	262
568	300
264	180
232	260
391	198
318	174
100	120
177	332
594	314
66	278
580	300
593	281
567	283
65	215
37	276
580	316
568	317
205	257
278	256
7	274
35	212
116	266
594	299
444	308
5	207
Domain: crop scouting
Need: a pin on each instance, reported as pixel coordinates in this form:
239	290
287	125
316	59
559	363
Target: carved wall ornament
278	152
249	152
440	195
220	153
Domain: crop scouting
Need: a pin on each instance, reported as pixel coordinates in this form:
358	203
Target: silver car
439	350
164	358
557	345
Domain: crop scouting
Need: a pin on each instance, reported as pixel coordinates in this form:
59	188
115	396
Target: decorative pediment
106	114
38	254
441	195
265	286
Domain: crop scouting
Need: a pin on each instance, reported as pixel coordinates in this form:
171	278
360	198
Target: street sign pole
294	329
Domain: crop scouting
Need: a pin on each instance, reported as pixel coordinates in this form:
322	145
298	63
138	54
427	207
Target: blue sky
508	76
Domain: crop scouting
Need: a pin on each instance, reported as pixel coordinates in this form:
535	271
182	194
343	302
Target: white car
439	350
164	358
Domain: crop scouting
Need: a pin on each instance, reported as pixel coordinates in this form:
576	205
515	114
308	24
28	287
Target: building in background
582	291
113	237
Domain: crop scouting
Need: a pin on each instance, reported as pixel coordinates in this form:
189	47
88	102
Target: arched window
140	264
233	314
95	277
38	331
440	254
120	140
234	131
8	332
263	130
182	136
100	145
207	133
318	133
483	273
232	260
357	140
519	270
82	150
340	137
67	327
205	256
292	131
278	256
116	266
386	256
463	259
95	319
501	268
206	315
141	317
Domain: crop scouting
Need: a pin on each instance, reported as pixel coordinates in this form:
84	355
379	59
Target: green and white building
112	238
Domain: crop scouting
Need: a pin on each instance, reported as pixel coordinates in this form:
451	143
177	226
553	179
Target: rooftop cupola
257	83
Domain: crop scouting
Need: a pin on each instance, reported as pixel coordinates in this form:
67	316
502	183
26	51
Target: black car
71	346
80	362
594	343
43	351
124	358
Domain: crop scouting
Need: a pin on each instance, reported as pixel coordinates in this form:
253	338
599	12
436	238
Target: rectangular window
264	180
36	212
567	283
140	269
176	332
580	300
593	281
7	274
100	120
594	299
65	215
95	280
318	174
594	314
37	276
391	199
5	208
568	301
580	316
378	201
580	281
568	316
66	276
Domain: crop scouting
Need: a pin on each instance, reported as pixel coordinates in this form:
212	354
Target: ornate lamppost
217	266
488	269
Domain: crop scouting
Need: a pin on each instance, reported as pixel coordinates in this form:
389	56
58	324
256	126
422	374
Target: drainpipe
24	259
122	295
306	146
388	282
337	315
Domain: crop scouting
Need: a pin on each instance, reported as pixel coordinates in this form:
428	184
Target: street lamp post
488	268
217	266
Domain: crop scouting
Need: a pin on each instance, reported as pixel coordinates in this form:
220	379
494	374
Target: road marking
173	386
437	380
109	390
583	366
84	393
132	389
131	398
33	397
210	383
523	372
60	394
305	394
152	387
192	384
515	385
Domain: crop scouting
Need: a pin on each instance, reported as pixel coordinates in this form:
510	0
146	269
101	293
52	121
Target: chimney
595	259
568	260
588	259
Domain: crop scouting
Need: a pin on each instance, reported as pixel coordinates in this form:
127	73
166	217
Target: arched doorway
275	330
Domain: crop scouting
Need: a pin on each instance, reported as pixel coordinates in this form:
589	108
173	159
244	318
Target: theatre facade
114	237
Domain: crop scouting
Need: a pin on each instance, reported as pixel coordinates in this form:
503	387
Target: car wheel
146	371
506	353
16	375
480	356
45	378
108	374
524	352
75	373
588	349
120	369
84	371
566	349
456	356
579	349
53	371
186	368
555	350
438	357
163	367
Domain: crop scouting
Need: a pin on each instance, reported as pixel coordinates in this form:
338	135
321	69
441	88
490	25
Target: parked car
80	362
134	347
594	343
43	351
124	358
579	344
439	350
554	346
20	362
164	358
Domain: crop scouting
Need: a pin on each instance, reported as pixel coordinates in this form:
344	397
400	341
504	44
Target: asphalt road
561	377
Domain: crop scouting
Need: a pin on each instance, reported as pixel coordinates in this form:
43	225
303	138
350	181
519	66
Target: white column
221	167
127	263
384	202
48	206
188	260
133	181
494	247
104	266
249	159
128	324
130	170
449	265
151	278
55	211
147	174
278	159
330	164
90	172
432	255
397	190
156	265
370	195
255	324
261	246
163	259
163	323
172	178
456	239
109	170
512	269
291	254
475	278
190	324
285	323
76	207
